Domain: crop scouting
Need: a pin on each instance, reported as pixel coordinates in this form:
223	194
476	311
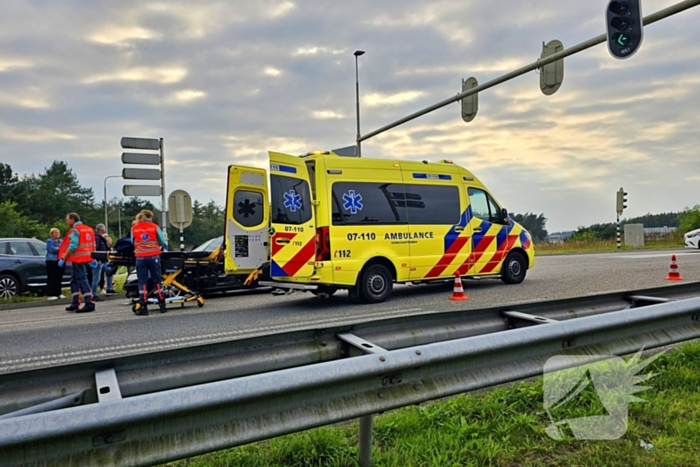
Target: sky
223	82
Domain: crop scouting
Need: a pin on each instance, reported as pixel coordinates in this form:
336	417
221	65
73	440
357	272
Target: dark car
23	267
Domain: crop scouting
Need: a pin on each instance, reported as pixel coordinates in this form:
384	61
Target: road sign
552	75
141	174
470	104
140	143
141	190
624	26
144	158
180	208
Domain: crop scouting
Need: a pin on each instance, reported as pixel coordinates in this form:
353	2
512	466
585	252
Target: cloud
187	95
272	71
8	64
117	35
326	114
378	99
33	134
162	75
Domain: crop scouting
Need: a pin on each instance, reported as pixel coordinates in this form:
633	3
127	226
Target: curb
45	303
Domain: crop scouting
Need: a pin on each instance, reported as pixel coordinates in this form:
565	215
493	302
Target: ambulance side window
369	203
483	206
248	208
432	204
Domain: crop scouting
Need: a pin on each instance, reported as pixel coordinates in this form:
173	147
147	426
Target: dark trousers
144	266
79	284
54	278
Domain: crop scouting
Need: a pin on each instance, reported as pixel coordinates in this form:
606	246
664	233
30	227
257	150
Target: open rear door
293	240
247	219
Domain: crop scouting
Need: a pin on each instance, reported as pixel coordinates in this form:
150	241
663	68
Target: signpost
180	209
148	144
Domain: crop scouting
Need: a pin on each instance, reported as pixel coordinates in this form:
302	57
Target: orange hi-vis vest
86	245
145	239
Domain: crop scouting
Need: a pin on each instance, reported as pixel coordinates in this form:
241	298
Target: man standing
77	248
100	245
148	240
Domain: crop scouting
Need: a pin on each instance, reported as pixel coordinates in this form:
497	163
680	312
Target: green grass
573	246
501	427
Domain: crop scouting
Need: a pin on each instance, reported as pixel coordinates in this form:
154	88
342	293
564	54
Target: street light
357	100
105	188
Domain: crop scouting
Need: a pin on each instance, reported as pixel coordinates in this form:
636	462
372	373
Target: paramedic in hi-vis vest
76	249
148	240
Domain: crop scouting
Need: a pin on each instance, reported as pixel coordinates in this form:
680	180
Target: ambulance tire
514	268
376	283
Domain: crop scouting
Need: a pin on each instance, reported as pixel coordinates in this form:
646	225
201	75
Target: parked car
23	267
692	239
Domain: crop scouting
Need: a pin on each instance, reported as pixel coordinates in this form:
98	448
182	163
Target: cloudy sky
225	81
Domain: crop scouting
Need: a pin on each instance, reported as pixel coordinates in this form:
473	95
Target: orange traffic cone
458	292
673	274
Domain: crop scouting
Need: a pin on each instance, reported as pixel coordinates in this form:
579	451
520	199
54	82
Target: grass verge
573	246
32	297
502	427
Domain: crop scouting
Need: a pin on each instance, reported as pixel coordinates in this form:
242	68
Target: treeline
689	219
30	205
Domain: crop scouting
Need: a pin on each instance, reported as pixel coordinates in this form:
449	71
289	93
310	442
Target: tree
535	224
689	219
8	183
15	224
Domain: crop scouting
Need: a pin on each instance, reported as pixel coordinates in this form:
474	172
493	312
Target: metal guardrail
171	424
71	385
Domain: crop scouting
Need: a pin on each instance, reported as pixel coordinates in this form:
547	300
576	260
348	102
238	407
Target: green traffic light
621	39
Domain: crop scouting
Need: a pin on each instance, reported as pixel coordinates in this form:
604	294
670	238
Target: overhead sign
141	174
180	208
140	143
144	158
141	190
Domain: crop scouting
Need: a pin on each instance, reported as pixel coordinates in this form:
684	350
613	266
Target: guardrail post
358	346
366	440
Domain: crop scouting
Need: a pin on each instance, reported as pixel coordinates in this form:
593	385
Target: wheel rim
376	283
8	288
514	268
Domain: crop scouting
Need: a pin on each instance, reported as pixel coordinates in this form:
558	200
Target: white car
692	239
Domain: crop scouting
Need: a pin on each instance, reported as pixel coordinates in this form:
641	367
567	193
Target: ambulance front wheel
376	283
514	268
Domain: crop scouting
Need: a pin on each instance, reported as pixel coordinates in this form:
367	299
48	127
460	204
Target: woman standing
54	273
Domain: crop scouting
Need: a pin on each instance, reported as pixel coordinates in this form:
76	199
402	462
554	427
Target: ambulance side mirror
504	216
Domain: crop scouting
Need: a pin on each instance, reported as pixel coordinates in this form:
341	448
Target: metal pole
162	191
652	18
119	215
105	201
182	240
366	440
357	103
618	231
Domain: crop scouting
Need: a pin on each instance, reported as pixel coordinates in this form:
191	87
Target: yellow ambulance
329	222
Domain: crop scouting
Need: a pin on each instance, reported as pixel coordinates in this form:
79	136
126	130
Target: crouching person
148	240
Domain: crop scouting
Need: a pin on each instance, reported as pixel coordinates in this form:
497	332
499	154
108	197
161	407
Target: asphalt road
50	336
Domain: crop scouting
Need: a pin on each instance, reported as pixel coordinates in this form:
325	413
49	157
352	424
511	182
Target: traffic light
621	201
625	27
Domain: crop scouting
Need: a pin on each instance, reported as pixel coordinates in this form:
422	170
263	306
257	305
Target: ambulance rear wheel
376	283
514	268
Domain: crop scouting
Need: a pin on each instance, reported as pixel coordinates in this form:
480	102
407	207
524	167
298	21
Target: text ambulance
362	224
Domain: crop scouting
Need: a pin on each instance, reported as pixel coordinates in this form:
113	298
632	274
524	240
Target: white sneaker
278	292
61	296
52	298
104	292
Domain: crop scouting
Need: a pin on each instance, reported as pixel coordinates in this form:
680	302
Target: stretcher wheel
136	307
200	303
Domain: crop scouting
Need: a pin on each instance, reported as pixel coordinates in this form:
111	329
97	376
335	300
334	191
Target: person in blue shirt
54	273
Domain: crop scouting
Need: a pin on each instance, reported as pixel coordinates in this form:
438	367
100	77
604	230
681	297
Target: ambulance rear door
247	219
293	239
